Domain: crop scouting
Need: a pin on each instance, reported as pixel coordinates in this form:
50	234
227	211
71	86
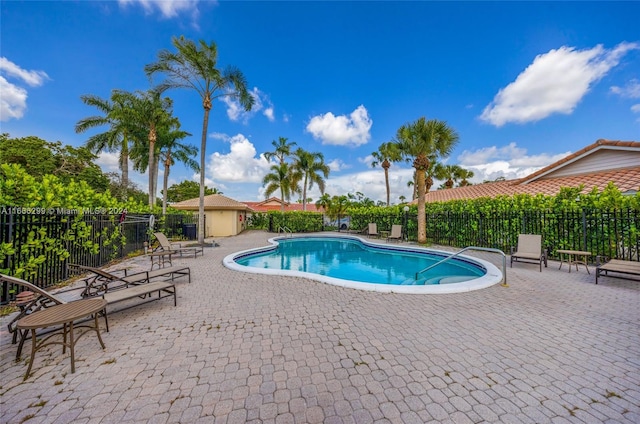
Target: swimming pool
354	262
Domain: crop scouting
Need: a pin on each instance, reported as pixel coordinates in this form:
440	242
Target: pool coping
493	275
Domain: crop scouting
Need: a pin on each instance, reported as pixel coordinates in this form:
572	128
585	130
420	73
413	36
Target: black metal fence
608	233
38	247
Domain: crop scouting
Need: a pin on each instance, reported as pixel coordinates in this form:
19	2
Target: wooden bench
618	266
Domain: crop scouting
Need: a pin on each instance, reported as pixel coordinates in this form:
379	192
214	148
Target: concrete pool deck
240	347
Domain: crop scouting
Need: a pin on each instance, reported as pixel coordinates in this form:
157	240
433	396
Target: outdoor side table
64	314
573	258
160	258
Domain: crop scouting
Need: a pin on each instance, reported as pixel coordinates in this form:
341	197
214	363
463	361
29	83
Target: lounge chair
29	299
101	282
373	230
529	250
167	246
617	266
396	233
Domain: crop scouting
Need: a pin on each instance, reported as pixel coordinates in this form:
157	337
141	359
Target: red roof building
594	166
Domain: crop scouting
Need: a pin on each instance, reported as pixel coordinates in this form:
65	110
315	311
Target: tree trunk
165	181
385	166
304	194
156	168
150	167
422	219
203	155
124	167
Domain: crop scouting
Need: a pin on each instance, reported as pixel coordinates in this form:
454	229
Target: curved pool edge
492	277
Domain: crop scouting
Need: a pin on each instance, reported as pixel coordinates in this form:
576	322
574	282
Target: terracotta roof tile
261	207
212	201
625	179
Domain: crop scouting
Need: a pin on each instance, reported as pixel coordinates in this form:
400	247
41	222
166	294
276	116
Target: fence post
584	230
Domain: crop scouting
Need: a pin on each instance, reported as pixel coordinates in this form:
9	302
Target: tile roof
212	201
273	204
626	145
542	182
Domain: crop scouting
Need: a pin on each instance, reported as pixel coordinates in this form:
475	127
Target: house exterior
223	215
227	217
593	166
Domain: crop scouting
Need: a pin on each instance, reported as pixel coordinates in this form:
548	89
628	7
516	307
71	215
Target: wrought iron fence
38	247
608	233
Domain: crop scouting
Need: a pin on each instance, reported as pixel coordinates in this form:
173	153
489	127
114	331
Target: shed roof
212	201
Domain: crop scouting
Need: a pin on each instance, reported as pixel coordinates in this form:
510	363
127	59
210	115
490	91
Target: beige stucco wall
223	223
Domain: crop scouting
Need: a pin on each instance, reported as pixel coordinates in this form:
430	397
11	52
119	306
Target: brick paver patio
551	348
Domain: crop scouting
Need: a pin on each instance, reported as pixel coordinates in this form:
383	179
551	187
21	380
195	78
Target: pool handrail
487	249
283	229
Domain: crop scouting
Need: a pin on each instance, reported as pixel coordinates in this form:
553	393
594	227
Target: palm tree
449	173
324	202
421	141
116	113
386	152
280	178
308	167
465	175
282	149
193	66
171	150
151	112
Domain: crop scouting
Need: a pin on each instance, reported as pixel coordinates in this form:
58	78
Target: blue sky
523	83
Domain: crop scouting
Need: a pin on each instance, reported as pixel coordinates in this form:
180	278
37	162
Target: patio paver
239	347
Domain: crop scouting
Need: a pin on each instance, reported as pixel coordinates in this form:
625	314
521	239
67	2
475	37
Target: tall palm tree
280	178
387	152
151	113
116	114
194	66
282	149
420	141
310	168
171	149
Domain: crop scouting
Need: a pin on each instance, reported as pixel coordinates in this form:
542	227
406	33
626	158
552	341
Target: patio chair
102	282
529	250
373	230
168	246
29	299
396	233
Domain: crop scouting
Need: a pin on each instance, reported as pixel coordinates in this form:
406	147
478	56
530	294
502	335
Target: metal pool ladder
486	249
285	230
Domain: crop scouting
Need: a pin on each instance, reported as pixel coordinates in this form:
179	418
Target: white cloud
635	108
631	90
371	184
337	165
554	83
509	161
352	130
261	102
239	165
167	8
13	101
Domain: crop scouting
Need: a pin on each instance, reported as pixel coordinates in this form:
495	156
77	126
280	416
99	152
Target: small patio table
574	261
160	258
64	314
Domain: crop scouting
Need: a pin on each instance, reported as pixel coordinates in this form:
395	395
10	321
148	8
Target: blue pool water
352	259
